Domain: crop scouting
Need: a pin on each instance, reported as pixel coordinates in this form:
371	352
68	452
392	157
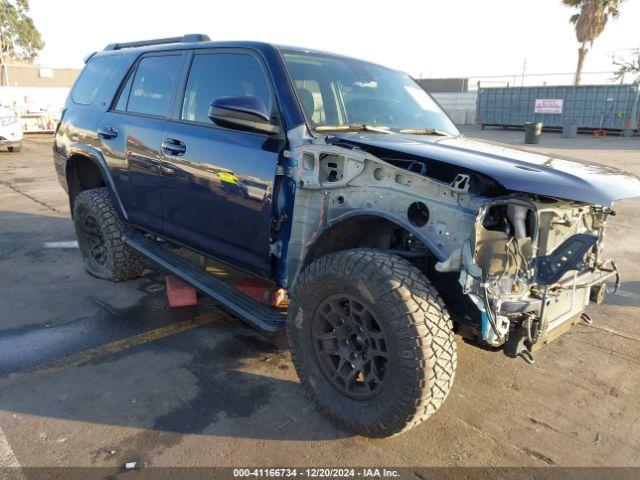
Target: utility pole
524	69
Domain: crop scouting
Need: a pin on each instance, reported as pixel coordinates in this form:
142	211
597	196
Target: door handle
107	133
174	147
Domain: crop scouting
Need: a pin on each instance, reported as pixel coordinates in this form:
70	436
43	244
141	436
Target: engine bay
531	265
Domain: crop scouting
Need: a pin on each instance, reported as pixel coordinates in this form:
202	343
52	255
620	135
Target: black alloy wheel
350	346
94	244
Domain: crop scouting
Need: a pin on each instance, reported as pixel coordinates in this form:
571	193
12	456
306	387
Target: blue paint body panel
217	198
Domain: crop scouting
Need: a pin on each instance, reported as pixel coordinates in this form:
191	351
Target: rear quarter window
91	79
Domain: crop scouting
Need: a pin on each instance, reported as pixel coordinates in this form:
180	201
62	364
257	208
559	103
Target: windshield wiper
424	131
354	127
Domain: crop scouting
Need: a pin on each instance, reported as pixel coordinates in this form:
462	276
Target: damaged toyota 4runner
344	186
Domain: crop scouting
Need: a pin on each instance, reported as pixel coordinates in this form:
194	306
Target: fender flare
95	156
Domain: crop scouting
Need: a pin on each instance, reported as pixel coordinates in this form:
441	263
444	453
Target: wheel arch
86	168
363	228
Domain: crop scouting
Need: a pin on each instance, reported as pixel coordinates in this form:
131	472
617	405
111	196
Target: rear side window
153	84
222	75
92	78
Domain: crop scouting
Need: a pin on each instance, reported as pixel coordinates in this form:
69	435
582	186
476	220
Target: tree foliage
19	37
589	23
628	66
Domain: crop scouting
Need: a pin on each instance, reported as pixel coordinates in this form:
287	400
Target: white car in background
10	129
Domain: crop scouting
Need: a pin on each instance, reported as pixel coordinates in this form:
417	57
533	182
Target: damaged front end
531	265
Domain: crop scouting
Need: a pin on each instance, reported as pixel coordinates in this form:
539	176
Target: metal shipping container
615	107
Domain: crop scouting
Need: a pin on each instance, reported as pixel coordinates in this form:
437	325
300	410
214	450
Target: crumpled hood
515	170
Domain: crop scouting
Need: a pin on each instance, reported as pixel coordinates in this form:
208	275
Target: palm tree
589	23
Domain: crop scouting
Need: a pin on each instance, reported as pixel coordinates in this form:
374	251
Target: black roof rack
190	38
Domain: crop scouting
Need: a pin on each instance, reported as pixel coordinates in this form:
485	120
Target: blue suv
343	184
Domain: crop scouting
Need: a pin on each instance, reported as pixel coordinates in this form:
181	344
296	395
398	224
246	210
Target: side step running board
258	315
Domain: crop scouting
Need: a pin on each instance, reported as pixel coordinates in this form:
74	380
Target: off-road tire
421	345
15	148
120	261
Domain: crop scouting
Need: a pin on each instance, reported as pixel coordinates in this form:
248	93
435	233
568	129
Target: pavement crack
532	453
540	456
541	423
24	194
616	332
610	351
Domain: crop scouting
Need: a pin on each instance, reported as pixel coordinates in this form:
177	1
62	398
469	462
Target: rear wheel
99	232
15	148
371	341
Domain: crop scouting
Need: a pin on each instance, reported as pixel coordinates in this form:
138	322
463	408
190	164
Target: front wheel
372	341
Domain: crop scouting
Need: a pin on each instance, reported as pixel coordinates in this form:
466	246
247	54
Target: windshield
337	91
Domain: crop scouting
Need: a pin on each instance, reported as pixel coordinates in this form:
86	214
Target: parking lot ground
94	373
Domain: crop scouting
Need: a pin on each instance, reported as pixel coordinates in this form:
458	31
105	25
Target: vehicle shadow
221	378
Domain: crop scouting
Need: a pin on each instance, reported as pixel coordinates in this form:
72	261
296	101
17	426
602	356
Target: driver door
218	182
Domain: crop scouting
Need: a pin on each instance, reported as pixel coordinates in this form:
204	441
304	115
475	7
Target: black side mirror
244	113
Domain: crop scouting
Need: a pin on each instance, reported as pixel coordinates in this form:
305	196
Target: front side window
338	91
153	84
219	75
